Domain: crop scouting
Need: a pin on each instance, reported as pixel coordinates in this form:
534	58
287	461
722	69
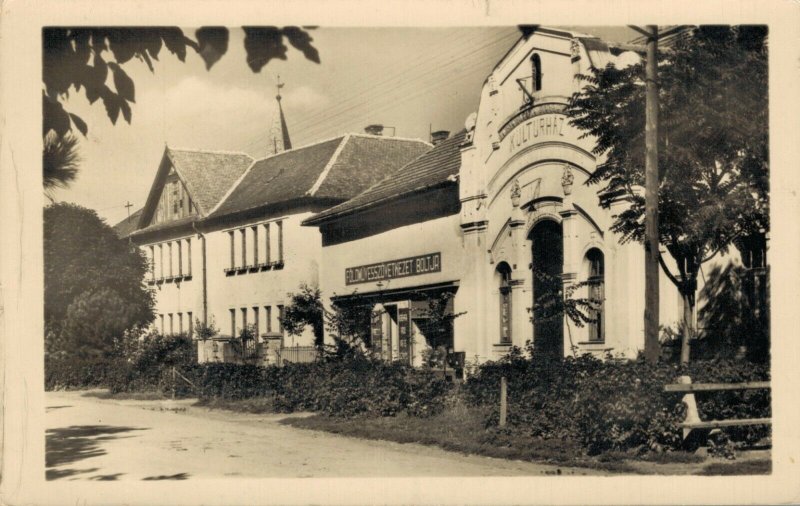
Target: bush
345	388
69	372
611	404
147	364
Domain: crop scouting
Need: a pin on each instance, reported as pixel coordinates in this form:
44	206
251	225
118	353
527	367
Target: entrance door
548	260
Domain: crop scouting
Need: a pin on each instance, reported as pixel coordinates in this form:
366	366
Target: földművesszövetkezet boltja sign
391	269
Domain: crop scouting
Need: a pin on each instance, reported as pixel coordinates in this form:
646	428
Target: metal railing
299	354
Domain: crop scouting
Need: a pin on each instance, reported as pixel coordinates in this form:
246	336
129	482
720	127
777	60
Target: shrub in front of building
350	387
69	372
145	365
613	405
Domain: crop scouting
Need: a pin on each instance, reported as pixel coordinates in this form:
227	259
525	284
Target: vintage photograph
378	252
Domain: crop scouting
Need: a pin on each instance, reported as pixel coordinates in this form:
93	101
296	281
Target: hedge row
346	388
134	366
614	405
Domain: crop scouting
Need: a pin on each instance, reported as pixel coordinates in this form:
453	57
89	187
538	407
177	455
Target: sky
412	79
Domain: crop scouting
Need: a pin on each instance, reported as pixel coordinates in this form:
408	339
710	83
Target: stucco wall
264	287
248	289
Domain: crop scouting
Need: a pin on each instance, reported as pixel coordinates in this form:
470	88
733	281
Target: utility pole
128	206
651	241
651	236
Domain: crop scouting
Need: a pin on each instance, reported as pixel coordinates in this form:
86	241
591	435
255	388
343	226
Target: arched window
536	73
504	274
596	281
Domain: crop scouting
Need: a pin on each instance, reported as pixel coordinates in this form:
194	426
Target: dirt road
94	439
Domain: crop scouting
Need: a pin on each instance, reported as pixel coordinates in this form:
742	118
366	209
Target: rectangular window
180	323
161	317
189	256
268	318
180	258
255	245
244	318
244	247
171	325
280	241
161	261
280	318
191	323
233	322
233	256
169	245
266	235
152	262
175	198
256	325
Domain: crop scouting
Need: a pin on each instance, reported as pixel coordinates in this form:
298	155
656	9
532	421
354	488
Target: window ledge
265	266
591	343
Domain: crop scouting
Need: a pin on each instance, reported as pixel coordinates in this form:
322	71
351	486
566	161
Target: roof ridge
273	155
209	151
189	187
332	211
405	139
230	190
328	166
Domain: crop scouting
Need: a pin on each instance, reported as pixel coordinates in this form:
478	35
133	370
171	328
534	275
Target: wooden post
692	414
651	241
503	400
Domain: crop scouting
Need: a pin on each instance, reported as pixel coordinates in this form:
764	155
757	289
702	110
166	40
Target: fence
299	354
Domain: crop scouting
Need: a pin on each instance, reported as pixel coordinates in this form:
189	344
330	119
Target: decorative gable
175	202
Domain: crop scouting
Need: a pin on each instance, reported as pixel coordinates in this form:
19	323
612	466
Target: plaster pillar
521	329
571	250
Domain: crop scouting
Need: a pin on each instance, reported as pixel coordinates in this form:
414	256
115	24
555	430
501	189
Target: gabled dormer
175	201
188	185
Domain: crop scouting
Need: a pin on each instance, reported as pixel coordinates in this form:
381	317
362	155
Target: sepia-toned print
278	252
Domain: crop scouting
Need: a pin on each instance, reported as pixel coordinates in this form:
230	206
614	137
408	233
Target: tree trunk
688	325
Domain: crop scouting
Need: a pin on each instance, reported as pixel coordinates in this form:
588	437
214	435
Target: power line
365	97
408	80
434	83
450	41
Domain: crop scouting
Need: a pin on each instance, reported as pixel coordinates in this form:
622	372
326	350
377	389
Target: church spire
280	132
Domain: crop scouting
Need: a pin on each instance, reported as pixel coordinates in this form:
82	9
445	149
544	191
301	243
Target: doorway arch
547	253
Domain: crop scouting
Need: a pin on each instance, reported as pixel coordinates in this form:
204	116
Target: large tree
79	60
93	283
713	147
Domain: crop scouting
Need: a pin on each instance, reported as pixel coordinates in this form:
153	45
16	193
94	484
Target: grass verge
252	405
460	429
126	396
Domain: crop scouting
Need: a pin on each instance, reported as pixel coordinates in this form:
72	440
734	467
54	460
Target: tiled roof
164	225
335	169
128	225
208	175
432	168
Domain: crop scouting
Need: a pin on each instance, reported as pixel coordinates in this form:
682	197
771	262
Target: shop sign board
392	269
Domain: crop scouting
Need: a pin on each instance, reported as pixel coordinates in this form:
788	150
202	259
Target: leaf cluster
89	59
712	142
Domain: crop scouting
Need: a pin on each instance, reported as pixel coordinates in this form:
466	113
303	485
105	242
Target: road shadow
57	474
106	477
179	476
50	408
67	445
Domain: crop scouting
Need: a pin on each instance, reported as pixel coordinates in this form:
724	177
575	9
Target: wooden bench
693	420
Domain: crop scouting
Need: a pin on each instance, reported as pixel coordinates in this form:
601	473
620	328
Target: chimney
374	129
439	136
